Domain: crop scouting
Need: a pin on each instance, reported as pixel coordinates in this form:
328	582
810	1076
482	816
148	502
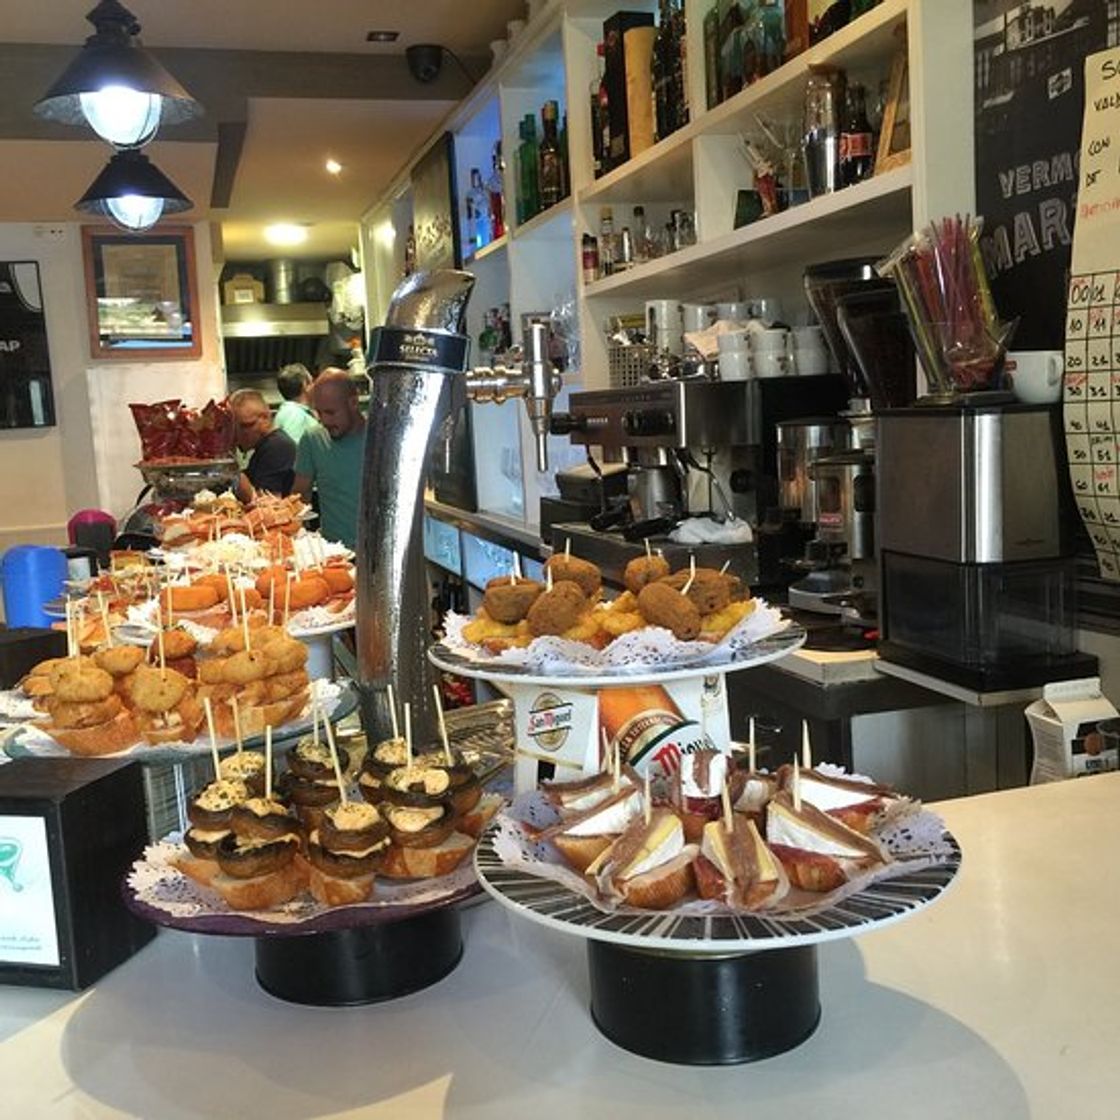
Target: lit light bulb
135	211
123	116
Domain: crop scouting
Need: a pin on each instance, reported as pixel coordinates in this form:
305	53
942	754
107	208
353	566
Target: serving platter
721	659
551	904
339	699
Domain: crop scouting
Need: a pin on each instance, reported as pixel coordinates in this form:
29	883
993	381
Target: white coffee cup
807	338
810	361
697	316
733	312
772	340
770	363
734	365
729	341
1036	375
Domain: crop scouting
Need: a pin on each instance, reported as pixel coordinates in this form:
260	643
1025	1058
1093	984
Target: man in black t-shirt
271	465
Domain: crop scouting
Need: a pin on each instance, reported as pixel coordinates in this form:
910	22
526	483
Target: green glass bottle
528	194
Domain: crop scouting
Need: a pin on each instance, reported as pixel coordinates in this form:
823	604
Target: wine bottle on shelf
711	55
565	169
495	190
604	112
528	195
679	113
662	71
857	154
598	116
549	174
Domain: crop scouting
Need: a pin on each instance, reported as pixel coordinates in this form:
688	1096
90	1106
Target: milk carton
1067	739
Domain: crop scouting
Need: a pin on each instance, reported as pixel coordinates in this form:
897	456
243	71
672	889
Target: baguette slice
427	863
581	852
255	718
106	738
331	891
201	871
663	886
264	891
478	818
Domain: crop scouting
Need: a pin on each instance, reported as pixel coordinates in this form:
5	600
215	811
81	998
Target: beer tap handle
543	385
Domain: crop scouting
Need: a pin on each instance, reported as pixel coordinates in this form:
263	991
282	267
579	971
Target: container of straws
960	339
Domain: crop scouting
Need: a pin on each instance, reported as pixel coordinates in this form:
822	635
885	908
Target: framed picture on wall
434	208
141	294
26	396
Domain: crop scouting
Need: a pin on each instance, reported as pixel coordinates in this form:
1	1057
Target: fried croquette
118	661
180	597
177	643
67	714
709	590
510	602
662	605
158	690
246	666
571	569
77	680
212	670
557	610
642	570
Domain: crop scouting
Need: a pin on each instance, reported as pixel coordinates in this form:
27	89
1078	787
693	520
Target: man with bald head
330	455
272	452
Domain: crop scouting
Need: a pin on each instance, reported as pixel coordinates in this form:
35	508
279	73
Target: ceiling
285	87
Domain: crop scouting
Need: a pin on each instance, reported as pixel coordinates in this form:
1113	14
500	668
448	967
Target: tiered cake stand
696	989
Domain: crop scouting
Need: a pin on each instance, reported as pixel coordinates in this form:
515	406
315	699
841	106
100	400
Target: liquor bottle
606	241
711	55
731	48
505	329
565	170
478	211
605	114
646	247
797	28
597	117
664	47
549	174
495	188
680	62
625	257
488	338
528	195
826	17
857	155
589	258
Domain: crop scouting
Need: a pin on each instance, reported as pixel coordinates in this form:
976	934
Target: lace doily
157	883
651	646
915	840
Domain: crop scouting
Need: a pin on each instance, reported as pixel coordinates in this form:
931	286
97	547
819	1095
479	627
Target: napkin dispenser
69	831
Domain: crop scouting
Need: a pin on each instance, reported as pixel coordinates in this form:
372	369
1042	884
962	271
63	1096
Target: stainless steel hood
273	320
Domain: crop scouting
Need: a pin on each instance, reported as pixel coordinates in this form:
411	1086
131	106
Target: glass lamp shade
123	117
133	193
113	62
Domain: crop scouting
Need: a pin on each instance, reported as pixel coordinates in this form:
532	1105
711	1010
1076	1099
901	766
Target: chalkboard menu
1030	95
26	399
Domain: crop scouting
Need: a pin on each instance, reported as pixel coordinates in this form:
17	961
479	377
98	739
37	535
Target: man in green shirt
294	415
330	455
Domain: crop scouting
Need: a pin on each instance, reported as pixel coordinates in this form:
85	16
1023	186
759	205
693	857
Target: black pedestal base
712	1010
365	964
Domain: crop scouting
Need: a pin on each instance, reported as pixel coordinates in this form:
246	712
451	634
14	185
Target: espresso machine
692	447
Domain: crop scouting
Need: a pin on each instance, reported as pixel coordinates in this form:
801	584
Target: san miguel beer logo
550	721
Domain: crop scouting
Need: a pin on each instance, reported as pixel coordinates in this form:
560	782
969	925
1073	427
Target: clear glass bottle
606	242
478	212
549	173
625	259
821	134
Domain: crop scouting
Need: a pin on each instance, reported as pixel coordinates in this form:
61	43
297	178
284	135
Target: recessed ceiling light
285	233
333	167
382	36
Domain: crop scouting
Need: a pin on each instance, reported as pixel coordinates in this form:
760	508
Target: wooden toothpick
393	712
408	735
806	750
725	796
750	745
648	802
442	725
268	762
213	738
236	708
334	759
796	786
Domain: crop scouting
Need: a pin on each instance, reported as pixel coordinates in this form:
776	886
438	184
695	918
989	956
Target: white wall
86	461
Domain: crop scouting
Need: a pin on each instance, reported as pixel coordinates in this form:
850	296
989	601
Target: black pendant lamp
115	85
133	192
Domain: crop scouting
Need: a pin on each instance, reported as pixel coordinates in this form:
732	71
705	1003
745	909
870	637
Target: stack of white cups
808	355
770	352
734	356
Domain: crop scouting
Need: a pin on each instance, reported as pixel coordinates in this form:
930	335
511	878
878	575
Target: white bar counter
1002	1000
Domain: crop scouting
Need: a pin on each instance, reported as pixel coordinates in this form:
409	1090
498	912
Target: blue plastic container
33	575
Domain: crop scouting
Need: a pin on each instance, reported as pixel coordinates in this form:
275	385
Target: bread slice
201	871
265	891
106	738
339	892
580	852
663	886
478	818
427	863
